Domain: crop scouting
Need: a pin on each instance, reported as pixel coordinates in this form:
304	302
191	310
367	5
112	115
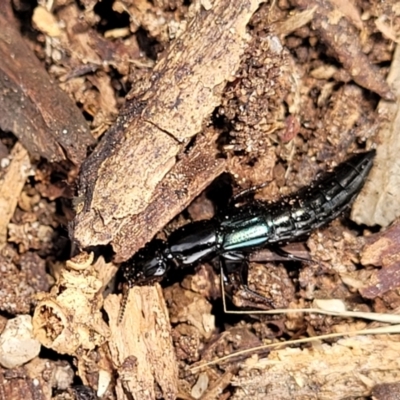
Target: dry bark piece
119	178
188	178
40	114
141	346
294	21
337	32
382	249
11	186
83	59
86	61
69	320
378	202
349	368
382	281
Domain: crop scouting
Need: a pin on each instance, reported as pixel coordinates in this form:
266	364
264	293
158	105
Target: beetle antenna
124	302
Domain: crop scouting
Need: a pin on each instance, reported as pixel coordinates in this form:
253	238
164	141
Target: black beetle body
254	225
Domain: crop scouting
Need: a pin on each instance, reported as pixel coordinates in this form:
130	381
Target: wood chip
378	202
35	109
349	368
11	186
141	346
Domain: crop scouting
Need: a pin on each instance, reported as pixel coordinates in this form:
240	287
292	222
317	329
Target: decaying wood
378	203
349	368
119	179
68	319
189	177
40	114
141	346
11	186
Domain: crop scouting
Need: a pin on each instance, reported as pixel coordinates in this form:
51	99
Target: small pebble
17	343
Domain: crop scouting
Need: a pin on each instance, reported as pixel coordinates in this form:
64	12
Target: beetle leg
289	256
236	265
246	192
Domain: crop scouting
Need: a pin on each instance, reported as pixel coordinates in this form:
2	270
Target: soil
122	121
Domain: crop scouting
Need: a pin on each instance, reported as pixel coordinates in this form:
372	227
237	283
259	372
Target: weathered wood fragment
32	106
11	186
119	179
141	346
